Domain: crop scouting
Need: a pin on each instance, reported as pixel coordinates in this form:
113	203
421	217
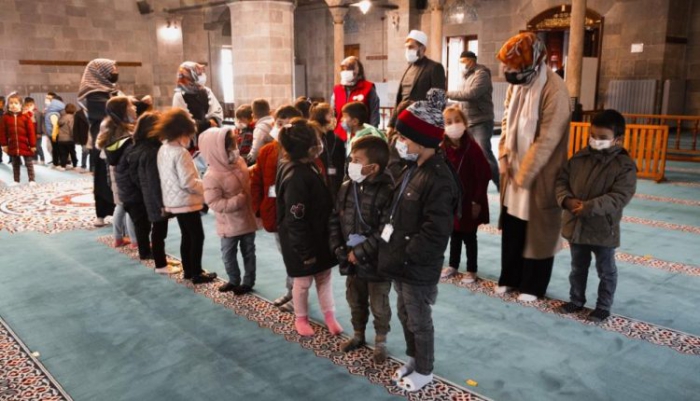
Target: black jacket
304	207
81	128
129	191
431	74
333	156
375	197
198	106
143	171
422	223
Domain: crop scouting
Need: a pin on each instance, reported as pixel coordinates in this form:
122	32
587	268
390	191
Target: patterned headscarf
187	76
522	52
96	77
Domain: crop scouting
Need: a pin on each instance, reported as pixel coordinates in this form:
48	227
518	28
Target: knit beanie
422	121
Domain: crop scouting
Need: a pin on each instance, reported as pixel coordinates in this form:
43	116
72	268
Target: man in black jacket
416	232
422	73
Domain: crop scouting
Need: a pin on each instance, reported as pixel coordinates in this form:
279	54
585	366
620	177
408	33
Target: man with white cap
422	73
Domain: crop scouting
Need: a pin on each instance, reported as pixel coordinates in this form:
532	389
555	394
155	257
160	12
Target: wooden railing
384	116
646	144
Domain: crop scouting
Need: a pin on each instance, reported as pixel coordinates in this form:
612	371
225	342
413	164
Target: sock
333	325
405	369
415	381
301	324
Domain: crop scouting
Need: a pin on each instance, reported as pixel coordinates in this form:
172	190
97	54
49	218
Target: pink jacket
226	186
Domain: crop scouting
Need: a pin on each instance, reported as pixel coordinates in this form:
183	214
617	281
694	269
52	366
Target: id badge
387	231
271	192
332	171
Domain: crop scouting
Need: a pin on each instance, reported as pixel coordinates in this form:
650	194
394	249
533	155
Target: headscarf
187	76
522	52
96	77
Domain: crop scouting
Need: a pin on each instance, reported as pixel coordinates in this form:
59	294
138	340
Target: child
262	183
37	118
64	139
18	138
227	192
333	156
593	188
355	118
263	127
417	227
183	193
305	205
355	231
54	108
468	161
246	129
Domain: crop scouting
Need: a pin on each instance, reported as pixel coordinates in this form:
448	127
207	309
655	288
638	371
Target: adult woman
353	87
193	96
532	151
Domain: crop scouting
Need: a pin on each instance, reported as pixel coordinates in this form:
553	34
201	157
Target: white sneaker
468	278
32	183
527	298
447	272
12	184
99	222
501	289
168	270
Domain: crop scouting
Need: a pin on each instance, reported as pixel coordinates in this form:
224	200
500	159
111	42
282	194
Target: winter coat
333	156
143	170
245	139
605	181
474	173
55	108
17	134
375	198
422	223
65	128
226	186
262	178
304	204
541	166
127	184
476	95
81	128
182	188
430	74
96	103
113	152
261	137
202	105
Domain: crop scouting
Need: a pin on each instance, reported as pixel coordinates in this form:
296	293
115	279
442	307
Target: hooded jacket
262	185
17	133
226	186
55	108
143	170
182	188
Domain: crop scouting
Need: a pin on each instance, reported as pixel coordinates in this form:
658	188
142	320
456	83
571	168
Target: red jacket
360	93
17	133
474	174
262	178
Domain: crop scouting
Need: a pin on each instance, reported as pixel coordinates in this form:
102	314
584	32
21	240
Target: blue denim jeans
482	134
229	253
607	273
122	225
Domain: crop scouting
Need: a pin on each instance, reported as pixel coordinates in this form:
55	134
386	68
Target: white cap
418	36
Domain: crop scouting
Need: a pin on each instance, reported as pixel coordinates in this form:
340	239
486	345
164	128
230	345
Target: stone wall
693	63
314	49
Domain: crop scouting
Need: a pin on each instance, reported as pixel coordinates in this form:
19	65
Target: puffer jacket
65	128
54	108
143	170
422	223
262	185
127	185
606	182
476	96
113	155
226	186
375	197
305	205
182	188
17	134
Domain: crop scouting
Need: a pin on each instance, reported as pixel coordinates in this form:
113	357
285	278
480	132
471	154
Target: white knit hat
418	36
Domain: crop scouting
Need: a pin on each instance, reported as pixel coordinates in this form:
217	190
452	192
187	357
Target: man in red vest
354	87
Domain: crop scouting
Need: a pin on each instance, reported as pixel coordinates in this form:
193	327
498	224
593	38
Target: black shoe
569	307
228	287
204	278
243	289
282	300
598	315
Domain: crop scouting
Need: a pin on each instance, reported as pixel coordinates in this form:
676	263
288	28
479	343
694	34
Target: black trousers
65	150
142	226
469	240
529	276
192	242
104	199
159	231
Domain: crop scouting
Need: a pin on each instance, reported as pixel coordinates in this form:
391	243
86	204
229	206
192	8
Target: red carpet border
23	377
323	344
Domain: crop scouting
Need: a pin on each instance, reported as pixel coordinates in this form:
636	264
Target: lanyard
404	184
366	227
329	150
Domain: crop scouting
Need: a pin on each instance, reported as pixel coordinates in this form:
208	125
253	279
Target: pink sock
333	325
303	327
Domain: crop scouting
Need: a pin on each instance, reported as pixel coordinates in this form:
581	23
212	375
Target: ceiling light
364	6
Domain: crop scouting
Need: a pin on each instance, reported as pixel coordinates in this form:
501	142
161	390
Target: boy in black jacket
417	229
355	230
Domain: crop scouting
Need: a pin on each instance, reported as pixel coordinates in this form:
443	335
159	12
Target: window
455	46
227	73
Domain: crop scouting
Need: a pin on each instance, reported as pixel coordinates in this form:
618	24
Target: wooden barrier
646	144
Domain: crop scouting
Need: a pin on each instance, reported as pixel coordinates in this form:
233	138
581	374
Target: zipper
16	133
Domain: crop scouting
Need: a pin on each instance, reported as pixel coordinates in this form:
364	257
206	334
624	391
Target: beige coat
540	167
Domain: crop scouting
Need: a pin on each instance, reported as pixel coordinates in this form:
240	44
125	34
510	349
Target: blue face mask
402	148
345	126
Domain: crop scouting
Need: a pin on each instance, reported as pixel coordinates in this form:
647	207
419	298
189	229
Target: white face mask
455	131
240	126
347	77
402	148
465	68
411	55
233	156
355	172
47	102
202	79
601	144
275	133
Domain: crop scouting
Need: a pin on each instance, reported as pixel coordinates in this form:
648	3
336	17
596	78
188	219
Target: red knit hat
422	122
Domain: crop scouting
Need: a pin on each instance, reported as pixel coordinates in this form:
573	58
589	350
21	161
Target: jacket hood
212	144
56	106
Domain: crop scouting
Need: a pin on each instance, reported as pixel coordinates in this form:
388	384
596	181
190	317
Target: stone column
435	45
574	62
167	55
338	12
262	33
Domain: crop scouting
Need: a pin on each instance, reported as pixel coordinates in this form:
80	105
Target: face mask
601	144
347	77
113	77
345	126
202	79
275	133
355	172
47	102
519	78
465	68
402	148
455	131
233	156
411	55
240	126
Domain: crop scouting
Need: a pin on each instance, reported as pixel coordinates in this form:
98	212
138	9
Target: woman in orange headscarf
531	152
